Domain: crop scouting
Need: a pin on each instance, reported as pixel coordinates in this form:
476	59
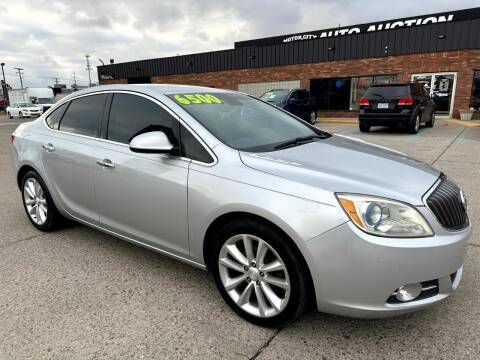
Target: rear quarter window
54	118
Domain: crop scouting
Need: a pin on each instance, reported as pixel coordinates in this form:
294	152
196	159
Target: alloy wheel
35	201
254	275
313	117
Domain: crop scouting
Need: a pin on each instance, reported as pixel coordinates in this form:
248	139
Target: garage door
258	89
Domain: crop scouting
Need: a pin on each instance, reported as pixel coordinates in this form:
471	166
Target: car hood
343	164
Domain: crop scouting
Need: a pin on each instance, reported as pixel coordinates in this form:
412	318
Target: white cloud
49	38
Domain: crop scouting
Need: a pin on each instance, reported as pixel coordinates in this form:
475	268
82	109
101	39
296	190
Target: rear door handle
106	163
48	147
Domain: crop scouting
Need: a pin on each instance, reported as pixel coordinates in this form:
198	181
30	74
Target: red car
3	104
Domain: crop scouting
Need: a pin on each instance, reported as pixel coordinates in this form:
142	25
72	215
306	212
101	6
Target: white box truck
42	97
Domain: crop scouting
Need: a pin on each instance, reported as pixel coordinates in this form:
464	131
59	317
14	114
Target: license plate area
382	106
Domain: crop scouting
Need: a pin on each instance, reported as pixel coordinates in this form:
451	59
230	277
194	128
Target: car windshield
24	105
44	101
246	123
387	92
275	96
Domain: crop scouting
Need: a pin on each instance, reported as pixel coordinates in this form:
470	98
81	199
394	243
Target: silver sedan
285	216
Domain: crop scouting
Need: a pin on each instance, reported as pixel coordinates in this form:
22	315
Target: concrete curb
472	123
337	121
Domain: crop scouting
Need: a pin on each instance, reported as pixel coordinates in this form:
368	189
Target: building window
475	99
344	93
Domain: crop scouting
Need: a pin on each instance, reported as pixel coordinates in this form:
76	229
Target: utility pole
74	78
89	68
19	72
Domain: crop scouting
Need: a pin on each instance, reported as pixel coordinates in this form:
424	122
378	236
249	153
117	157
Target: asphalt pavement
81	294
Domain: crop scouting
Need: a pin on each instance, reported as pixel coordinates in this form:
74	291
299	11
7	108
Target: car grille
446	204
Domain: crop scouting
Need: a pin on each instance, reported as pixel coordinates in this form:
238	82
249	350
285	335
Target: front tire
20	115
313	117
38	203
10	115
259	273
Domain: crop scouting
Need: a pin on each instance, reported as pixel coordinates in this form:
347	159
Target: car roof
160	89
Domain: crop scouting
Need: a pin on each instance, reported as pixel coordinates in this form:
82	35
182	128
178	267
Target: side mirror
151	142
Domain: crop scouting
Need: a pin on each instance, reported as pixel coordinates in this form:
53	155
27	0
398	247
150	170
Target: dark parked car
475	102
296	101
396	104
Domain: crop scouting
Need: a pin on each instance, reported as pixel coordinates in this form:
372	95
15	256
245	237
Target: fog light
408	292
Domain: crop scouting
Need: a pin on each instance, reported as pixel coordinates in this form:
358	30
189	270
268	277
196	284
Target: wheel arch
210	241
22	171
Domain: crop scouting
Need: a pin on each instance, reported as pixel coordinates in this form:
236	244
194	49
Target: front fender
210	197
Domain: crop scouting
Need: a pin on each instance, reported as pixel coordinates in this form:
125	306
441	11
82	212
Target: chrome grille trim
446	204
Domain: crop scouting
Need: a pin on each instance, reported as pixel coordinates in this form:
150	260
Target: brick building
337	65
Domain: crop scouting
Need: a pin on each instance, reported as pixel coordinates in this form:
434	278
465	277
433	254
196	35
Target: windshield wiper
298	141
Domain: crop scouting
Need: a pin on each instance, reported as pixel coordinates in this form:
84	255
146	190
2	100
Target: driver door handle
48	147
106	163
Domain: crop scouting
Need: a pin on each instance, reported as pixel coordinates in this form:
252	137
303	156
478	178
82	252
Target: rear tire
431	122
414	125
20	115
10	115
363	127
38	203
279	304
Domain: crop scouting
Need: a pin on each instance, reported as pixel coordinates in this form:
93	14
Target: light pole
4	87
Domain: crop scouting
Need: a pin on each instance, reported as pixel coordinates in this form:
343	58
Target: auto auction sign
371	28
366	28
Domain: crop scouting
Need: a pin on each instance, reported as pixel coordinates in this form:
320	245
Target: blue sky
50	38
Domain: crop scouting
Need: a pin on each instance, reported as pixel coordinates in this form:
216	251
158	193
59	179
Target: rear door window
387	92
133	114
83	115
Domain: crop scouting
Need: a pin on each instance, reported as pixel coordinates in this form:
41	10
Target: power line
44	77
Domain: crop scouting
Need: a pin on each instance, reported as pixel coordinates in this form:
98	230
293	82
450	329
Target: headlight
382	217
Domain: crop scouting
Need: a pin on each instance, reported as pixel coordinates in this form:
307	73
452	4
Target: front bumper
355	273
